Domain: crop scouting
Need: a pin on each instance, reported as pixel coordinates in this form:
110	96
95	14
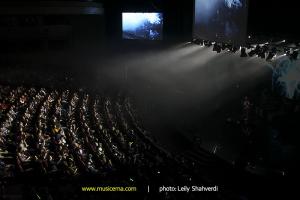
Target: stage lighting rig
263	51
288	51
294	55
234	49
271	54
243	52
217	48
207	43
249	46
197	41
254	51
224	46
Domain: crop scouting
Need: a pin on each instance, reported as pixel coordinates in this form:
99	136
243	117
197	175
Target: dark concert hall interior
149	99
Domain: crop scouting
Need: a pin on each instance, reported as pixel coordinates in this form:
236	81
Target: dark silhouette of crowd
64	135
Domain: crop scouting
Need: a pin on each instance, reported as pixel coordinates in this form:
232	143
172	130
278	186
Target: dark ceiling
266	17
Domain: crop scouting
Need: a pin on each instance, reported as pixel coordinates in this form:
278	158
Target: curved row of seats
72	133
66	135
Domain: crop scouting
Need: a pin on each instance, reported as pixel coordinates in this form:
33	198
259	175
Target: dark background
267	18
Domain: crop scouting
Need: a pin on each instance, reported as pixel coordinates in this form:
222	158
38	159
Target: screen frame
238	43
144	39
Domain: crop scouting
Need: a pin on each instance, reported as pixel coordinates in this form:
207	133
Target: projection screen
221	20
142	26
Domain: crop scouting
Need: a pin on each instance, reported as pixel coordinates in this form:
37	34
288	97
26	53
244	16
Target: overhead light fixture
243	52
198	41
271	54
234	49
249	46
286	51
254	51
217	48
207	43
224	46
262	55
294	55
263	52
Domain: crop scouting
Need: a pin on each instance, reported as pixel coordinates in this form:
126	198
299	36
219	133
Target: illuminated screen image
221	20
142	26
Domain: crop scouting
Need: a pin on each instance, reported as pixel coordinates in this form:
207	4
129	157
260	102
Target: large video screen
143	26
221	20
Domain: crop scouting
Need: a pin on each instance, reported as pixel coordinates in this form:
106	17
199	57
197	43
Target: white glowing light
233	3
133	20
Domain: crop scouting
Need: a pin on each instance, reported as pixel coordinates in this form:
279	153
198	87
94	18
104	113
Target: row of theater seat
63	133
66	132
75	135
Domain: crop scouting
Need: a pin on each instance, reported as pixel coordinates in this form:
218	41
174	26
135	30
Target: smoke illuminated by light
286	77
